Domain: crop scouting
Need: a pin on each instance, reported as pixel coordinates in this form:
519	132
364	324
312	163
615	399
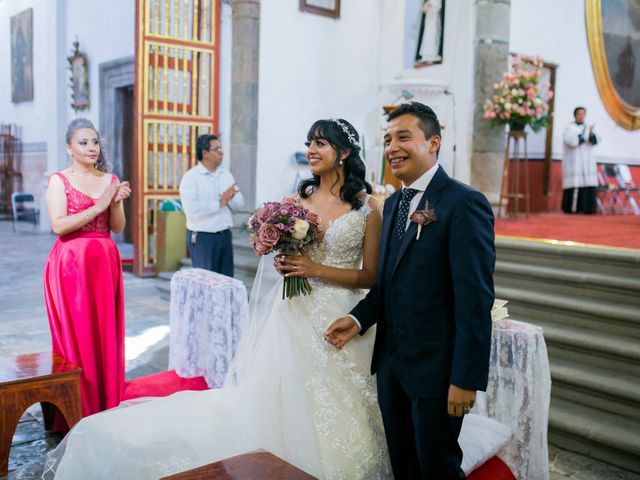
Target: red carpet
161	385
612	231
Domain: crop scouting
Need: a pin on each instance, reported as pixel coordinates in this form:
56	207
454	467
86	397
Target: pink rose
268	235
262	248
313	218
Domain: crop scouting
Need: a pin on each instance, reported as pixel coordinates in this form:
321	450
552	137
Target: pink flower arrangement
518	99
285	227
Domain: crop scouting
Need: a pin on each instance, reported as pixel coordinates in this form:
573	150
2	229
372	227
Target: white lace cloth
207	315
518	396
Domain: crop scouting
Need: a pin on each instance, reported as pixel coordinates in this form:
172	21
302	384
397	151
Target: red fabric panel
492	469
161	385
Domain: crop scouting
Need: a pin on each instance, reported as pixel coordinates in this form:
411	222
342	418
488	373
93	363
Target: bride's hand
298	266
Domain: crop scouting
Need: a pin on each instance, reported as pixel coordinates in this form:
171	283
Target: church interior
508	80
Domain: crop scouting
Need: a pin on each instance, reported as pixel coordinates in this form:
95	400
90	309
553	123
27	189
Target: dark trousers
212	251
579	200
421	436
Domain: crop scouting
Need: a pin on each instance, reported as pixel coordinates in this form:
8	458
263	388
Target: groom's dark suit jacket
433	296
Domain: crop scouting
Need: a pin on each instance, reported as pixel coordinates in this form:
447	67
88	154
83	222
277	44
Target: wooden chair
37	377
258	465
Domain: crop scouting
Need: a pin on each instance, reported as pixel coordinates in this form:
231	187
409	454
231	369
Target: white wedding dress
288	392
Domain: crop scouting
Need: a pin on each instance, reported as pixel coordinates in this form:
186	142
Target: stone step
164	289
565	310
624	348
166	276
610	391
608	437
616	262
568	282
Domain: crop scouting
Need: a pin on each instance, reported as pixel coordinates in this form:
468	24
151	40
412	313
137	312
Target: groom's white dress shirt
421	185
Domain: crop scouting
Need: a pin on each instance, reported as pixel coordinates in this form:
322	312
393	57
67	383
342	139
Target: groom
432	302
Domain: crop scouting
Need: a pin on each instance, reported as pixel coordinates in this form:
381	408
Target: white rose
300	229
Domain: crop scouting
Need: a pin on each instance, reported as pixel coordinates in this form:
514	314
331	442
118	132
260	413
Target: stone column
244	96
491	61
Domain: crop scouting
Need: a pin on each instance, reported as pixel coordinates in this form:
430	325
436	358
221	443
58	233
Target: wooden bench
259	465
36	377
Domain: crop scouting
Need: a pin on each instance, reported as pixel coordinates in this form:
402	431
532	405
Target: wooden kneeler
44	378
258	465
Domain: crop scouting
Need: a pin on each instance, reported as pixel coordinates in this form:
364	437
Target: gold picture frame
328	8
611	46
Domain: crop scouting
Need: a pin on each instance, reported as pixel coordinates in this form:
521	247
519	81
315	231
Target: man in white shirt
209	193
579	167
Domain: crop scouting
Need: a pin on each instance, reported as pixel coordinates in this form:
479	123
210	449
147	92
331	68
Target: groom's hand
341	331
460	400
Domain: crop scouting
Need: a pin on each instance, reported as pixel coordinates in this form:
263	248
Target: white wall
226	36
556	30
454	74
312	67
32	115
315	67
106	32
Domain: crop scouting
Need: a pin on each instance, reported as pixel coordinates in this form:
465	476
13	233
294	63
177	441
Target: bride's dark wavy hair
354	168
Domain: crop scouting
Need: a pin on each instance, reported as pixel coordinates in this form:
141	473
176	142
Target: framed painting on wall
329	8
22	56
79	67
613	31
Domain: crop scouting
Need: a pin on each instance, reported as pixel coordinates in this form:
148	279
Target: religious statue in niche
429	49
79	68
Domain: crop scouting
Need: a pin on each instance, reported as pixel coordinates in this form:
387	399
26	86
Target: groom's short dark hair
427	118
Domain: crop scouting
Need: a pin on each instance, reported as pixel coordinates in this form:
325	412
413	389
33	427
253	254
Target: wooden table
36	377
259	465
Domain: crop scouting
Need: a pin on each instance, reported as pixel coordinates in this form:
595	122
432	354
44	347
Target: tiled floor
24	329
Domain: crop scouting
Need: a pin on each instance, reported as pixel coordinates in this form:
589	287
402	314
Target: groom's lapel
432	194
387	230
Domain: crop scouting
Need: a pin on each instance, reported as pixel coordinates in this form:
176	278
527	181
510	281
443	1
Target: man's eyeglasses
216	149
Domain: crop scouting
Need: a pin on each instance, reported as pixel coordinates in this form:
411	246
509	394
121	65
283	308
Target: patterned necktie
403	212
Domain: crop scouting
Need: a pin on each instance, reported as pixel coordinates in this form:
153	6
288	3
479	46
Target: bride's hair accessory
350	135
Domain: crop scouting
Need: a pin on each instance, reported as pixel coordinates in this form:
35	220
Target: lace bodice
341	246
78	202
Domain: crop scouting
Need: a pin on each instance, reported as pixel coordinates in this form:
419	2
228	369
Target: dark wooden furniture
258	465
510	192
36	377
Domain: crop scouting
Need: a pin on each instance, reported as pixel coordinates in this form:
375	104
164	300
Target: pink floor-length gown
83	292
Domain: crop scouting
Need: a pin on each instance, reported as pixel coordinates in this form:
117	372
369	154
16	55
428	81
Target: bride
288	391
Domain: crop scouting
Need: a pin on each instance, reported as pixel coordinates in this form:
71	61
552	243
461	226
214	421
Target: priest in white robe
579	167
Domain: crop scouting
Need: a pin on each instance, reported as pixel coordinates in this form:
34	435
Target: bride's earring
341	162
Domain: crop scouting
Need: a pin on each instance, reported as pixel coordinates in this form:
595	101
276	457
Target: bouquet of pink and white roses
518	99
285	227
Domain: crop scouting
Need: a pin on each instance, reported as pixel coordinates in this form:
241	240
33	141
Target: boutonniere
423	217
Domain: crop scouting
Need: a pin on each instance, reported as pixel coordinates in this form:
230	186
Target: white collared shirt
200	192
421	185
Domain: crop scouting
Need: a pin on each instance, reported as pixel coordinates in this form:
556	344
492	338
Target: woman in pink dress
83	275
